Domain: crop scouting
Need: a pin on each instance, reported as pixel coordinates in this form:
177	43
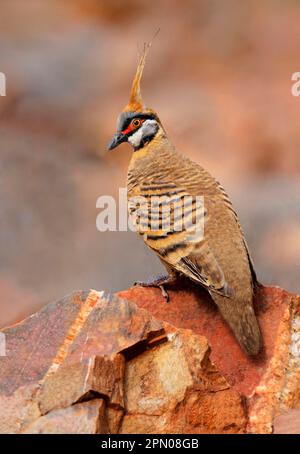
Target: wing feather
179	240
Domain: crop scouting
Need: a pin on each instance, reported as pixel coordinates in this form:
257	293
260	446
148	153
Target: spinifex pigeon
215	257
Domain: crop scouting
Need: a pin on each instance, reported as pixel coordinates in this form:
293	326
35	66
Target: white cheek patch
136	138
147	128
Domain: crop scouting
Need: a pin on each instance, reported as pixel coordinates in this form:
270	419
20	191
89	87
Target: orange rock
176	389
271	382
134	364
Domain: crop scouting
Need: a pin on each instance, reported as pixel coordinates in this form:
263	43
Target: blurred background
219	75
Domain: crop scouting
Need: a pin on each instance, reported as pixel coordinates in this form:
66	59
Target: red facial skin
127	130
130	128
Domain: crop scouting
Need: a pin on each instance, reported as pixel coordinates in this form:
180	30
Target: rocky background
219	74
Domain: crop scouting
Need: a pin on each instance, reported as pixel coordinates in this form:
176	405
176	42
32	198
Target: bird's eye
136	122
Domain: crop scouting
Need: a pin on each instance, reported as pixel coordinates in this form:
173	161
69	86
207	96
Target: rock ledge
130	363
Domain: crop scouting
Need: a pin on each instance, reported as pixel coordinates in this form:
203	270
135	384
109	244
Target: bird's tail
241	318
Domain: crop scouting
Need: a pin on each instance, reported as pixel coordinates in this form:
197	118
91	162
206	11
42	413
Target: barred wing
172	224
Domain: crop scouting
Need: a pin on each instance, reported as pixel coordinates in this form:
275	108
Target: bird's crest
135	101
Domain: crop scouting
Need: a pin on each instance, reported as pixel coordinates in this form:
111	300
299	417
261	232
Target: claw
158	282
165	294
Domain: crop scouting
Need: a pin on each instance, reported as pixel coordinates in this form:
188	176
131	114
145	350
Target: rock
270	382
98	374
131	363
84	418
288	423
87	332
176	389
18	408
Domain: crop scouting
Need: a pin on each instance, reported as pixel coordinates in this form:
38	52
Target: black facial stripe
126	118
146	139
145	116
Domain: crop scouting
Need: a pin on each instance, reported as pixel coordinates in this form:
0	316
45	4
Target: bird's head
137	124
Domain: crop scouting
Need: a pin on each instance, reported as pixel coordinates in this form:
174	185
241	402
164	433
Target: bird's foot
160	282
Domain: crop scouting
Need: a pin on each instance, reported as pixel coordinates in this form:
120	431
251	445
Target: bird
216	257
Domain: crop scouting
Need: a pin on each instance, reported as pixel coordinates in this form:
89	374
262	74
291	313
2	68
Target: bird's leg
159	281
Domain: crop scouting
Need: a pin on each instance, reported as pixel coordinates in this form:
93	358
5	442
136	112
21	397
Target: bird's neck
150	160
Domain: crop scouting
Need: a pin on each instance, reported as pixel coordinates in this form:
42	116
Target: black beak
116	140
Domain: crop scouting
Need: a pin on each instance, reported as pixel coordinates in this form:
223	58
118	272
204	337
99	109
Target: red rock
270	381
193	309
96	364
177	390
68	352
29	353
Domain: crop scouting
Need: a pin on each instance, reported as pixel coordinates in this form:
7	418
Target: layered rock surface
131	363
